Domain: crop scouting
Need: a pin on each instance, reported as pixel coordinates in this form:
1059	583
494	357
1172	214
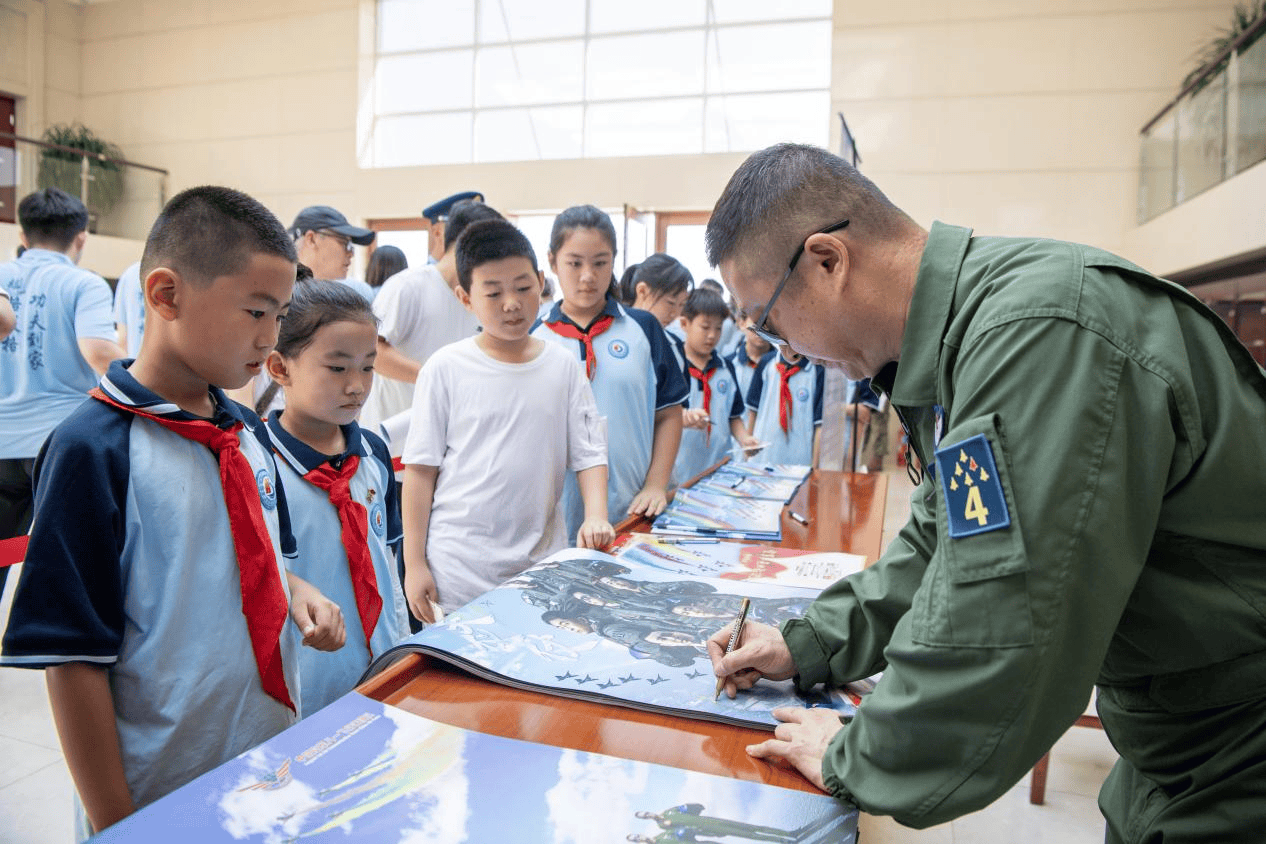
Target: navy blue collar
120	386
610	308
302	457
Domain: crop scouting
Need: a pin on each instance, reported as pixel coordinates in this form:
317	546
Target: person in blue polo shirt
635	378
153	592
129	310
785	407
62	340
338	480
713	418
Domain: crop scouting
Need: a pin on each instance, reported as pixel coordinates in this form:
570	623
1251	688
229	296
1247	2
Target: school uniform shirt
744	368
129	307
417	313
794	445
322	559
635	376
702	448
503	436
131	566
43	376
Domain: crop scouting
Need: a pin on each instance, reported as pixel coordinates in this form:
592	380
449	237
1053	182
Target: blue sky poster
360	770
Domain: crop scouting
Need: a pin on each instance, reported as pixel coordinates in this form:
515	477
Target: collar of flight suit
920	362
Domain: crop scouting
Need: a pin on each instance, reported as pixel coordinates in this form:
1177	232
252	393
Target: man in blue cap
324	240
437	215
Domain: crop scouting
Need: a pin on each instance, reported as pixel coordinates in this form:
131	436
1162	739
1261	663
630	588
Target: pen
734	637
799	518
691	541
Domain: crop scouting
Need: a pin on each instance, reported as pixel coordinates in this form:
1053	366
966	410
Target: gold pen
734	637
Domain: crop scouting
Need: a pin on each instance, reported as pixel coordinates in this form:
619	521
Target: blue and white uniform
132	566
322	559
702	448
795	445
636	376
744	368
43	375
129	307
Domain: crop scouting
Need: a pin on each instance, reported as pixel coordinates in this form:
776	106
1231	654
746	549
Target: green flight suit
1127	426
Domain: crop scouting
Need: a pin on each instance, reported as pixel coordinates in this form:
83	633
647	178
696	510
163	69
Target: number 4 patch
974	501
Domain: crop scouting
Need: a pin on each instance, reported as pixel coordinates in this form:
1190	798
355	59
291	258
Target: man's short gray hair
783	193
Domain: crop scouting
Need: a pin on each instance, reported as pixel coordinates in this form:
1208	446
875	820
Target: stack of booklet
738	501
360	770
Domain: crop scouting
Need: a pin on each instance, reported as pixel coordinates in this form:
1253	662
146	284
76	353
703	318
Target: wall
1011	116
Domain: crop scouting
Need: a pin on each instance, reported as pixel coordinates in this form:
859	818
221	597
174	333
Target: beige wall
1011	116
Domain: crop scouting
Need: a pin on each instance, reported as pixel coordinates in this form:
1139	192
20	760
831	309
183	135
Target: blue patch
267	491
378	519
802	394
618	349
974	501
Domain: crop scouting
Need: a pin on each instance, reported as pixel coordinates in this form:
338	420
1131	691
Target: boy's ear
685	323
162	289
275	366
540	280
462	295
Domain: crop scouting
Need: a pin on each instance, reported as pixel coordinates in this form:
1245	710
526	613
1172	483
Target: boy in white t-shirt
497	421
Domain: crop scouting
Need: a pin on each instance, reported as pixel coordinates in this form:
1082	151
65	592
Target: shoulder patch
974	501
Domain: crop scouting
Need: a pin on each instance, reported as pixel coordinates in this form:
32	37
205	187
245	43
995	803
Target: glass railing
122	197
1211	131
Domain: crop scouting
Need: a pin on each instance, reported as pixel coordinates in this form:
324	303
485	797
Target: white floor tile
1064	819
37	809
21	759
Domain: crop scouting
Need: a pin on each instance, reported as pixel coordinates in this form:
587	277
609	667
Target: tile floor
35	789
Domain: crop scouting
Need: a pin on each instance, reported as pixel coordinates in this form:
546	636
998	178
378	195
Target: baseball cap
325	218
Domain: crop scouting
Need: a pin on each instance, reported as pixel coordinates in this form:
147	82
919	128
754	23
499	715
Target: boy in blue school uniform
153	592
784	407
747	354
714	409
63	339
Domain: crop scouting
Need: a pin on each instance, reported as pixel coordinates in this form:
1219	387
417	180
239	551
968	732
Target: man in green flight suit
1092	512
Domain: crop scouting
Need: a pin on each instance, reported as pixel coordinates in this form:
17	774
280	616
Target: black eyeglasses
345	242
760	328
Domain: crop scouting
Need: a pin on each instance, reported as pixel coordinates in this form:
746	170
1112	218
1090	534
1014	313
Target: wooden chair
1037	785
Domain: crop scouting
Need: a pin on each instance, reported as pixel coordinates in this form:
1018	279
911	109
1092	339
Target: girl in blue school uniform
784	405
659	285
344	512
635	378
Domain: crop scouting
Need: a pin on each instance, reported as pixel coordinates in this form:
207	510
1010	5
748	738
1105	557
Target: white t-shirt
503	435
418	313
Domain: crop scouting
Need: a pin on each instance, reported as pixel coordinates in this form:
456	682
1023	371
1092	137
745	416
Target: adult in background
326	242
437	214
384	262
1090	513
62	341
418	312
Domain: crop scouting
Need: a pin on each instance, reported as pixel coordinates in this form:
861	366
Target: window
472	81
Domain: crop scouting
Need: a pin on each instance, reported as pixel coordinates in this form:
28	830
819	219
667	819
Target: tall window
462	81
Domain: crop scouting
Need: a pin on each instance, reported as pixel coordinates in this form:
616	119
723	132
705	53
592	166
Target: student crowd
202	571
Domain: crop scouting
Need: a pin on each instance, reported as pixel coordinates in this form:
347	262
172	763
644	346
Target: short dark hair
462	215
51	217
705	302
712	284
662	273
782	193
490	240
316	304
207	232
581	217
385	262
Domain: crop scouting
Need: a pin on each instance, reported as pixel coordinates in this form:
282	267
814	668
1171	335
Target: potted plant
62	169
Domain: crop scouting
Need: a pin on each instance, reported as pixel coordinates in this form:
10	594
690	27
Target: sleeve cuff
810	657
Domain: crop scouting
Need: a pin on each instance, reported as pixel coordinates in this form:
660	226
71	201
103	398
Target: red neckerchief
566	329
355	535
785	371
263	597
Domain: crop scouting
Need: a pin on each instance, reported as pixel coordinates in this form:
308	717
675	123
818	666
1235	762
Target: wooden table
845	513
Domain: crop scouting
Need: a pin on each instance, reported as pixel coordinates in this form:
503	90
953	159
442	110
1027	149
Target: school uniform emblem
802	394
723	387
378	519
267	491
974	501
618	349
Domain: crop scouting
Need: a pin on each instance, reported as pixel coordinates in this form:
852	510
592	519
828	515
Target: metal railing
122	197
1214	129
